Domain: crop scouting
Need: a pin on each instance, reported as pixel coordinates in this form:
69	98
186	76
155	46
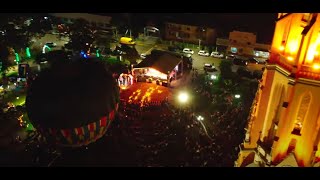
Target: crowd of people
162	135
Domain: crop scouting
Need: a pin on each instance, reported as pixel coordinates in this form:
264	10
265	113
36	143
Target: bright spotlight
213	77
200	118
237	96
183	97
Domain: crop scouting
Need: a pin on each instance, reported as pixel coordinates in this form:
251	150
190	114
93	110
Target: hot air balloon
73	104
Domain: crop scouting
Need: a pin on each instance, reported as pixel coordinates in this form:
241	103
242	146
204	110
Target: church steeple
287	118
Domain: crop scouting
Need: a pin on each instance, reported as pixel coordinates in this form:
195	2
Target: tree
81	36
226	69
39	23
210	49
130	53
4	53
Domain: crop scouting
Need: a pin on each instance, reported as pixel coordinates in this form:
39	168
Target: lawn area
29	126
12	97
12	73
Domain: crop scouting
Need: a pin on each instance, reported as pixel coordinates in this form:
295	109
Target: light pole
200	119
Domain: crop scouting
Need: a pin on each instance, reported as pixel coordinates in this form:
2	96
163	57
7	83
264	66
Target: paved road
39	43
146	45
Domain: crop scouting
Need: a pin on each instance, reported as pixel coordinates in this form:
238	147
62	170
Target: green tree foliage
39	25
4	53
130	53
226	69
82	36
210	49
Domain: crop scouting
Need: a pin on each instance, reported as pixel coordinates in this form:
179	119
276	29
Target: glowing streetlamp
213	77
237	96
200	118
183	97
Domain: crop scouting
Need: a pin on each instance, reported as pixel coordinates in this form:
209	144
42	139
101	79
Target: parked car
175	48
51	44
230	56
187	55
203	53
211	70
208	66
256	61
216	55
188	51
143	56
240	62
253	60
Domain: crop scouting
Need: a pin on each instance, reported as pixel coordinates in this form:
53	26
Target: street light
237	96
183	97
200	118
213	77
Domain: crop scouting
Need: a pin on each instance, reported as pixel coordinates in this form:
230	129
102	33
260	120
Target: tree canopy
226	69
82	36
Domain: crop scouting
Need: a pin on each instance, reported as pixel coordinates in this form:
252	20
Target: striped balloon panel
81	135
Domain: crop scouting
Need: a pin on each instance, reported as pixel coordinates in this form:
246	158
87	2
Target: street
39	43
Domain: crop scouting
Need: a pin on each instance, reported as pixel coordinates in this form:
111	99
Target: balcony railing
304	71
276	58
308	73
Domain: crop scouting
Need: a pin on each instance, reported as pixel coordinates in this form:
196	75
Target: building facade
96	20
285	115
244	44
190	34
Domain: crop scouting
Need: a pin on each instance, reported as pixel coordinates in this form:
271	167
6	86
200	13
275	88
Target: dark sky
260	23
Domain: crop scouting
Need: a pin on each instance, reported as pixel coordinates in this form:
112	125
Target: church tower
285	115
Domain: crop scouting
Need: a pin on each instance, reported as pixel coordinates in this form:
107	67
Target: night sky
260	23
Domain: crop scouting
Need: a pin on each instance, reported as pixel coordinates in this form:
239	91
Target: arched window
302	112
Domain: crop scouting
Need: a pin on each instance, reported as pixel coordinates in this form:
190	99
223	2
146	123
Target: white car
143	56
187	51
51	44
203	53
211	70
216	55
